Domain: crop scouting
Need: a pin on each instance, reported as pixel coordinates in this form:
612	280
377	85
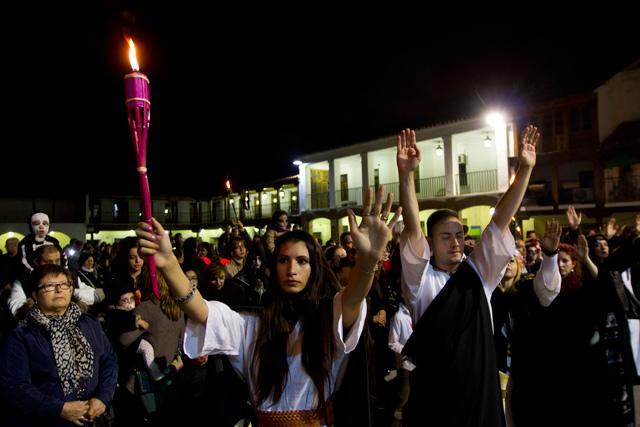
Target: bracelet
188	297
551	253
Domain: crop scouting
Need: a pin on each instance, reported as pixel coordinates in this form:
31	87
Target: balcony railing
289	206
477	182
318	200
623	189
349	197
427	188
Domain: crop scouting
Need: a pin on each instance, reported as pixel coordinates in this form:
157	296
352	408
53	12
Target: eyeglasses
50	287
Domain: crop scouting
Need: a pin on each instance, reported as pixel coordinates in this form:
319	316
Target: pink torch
136	86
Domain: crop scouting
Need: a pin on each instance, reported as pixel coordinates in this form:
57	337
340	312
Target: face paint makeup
40	225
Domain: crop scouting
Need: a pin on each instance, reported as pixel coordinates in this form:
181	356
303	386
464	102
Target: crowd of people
387	326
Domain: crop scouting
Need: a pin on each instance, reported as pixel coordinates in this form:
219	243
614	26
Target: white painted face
40	225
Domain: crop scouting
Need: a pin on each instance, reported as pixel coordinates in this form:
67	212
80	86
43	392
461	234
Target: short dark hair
45	270
439	216
46	249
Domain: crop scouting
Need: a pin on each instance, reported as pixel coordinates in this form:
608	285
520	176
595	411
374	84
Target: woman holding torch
291	352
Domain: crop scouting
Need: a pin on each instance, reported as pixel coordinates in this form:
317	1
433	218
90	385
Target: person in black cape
455	382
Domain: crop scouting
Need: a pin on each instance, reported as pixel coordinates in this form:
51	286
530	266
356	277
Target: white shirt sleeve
223	333
17	298
85	293
490	256
413	268
347	344
547	282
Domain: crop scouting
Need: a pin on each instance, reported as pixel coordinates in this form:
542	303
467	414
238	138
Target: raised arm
408	159
370	239
582	250
155	242
510	202
547	283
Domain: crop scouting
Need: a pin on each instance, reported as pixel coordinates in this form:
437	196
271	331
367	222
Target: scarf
71	350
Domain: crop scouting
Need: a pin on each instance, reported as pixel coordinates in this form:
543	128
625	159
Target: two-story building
465	166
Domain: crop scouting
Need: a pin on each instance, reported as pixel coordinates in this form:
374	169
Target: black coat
456	381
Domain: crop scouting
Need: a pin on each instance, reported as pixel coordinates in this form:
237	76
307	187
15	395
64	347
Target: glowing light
297	163
132	56
492	211
495	119
11	234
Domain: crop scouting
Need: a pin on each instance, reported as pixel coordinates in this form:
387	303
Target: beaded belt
305	418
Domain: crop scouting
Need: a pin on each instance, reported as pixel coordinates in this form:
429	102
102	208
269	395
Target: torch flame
227	184
132	55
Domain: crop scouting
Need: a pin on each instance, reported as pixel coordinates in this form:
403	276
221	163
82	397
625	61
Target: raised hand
573	218
551	239
408	156
155	241
582	248
528	144
371	236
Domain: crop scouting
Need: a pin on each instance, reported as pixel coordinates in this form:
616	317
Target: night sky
243	93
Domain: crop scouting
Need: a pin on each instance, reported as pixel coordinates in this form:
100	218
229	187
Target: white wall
618	101
352	167
322	226
385	161
479	157
431	164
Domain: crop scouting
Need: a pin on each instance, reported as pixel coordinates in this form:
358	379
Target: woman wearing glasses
58	369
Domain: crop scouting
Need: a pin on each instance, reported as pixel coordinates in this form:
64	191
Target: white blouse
235	334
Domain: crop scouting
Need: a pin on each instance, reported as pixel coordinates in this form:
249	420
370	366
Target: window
96	212
344	187
120	211
171	212
194	212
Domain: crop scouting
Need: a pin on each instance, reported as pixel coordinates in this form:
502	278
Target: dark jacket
30	387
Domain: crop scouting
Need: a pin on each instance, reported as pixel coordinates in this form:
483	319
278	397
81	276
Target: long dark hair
120	263
313	307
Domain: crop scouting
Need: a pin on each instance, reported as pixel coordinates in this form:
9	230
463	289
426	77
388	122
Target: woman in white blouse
292	352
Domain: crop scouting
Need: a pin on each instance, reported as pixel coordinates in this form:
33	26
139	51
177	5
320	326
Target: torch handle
145	195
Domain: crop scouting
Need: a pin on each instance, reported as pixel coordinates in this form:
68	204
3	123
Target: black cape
456	381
